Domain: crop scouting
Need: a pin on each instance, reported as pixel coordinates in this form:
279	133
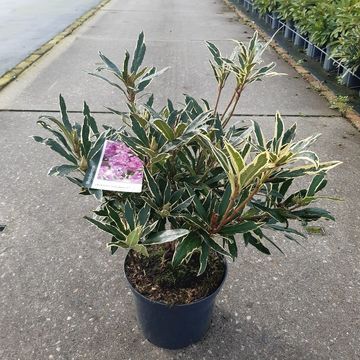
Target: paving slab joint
14	73
351	115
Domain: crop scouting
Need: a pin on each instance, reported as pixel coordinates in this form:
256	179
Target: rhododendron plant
209	181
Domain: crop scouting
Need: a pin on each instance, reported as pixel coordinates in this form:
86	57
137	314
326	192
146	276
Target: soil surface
156	278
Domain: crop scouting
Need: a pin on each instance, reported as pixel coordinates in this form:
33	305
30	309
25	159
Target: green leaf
144	215
160	158
303	144
204	255
215	246
308	156
115	244
215	53
279	133
316	184
176	196
307	169
167	193
150	101
233	248
250	239
64	115
253	41
110	65
186	248
165	236
55	146
85	137
259	135
194	219
97	146
183	205
114	216
148	77
198	123
200	210
235	157
141	249
62	170
109	82
276	214
153	187
240	228
75	181
138	54
219	154
90	119
251	171
125	73
289	135
165	129
225	200
129	215
271	242
285	229
285	187
134	237
66	142
107	228
311	214
139	131
150	228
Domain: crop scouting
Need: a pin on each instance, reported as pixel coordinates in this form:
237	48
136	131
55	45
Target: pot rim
180	305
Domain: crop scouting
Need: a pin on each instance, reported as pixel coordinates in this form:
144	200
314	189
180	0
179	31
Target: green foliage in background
335	23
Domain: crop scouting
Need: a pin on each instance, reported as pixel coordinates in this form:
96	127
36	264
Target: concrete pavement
27	24
64	297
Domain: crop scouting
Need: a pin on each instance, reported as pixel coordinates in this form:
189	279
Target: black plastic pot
328	64
274	21
289	29
268	18
176	326
298	39
351	80
313	52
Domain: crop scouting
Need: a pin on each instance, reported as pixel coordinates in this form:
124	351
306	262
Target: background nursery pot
174	326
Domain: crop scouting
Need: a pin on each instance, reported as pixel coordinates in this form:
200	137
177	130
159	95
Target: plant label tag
115	168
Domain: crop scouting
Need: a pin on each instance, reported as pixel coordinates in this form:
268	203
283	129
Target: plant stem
229	104
239	208
220	88
227	211
238	94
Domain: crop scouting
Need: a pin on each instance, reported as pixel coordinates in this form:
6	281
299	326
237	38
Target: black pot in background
288	34
328	64
267	18
274	21
313	52
176	326
350	80
299	39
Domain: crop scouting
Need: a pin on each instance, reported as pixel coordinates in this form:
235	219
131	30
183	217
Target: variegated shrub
208	185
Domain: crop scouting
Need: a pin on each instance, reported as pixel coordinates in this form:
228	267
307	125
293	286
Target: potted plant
209	184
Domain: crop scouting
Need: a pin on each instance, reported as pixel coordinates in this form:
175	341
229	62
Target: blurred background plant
334	23
340	103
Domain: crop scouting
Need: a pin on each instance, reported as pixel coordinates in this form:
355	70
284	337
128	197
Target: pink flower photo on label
119	163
